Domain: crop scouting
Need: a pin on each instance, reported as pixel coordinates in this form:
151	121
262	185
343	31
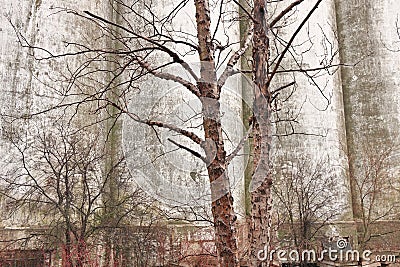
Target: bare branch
191	151
234	59
161	47
169	77
171	127
284	12
244	10
282	55
235	152
282	87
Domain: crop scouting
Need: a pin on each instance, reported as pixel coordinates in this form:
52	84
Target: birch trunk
222	200
260	215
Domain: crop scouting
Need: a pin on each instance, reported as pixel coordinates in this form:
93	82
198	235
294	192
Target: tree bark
261	200
67	261
81	252
222	200
222	204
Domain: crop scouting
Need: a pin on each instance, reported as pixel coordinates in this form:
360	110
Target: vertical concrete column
315	102
29	85
367	33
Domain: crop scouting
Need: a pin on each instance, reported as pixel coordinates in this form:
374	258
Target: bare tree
374	187
58	180
307	200
132	53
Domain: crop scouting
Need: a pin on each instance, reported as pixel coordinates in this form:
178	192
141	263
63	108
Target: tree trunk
67	261
81	252
222	200
222	204
261	201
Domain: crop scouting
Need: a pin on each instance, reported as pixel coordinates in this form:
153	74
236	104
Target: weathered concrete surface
366	115
315	131
367	33
28	85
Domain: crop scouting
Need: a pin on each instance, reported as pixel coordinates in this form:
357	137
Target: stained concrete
358	106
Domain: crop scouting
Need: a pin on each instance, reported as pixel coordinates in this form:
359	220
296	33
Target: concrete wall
29	85
314	134
353	112
367	32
